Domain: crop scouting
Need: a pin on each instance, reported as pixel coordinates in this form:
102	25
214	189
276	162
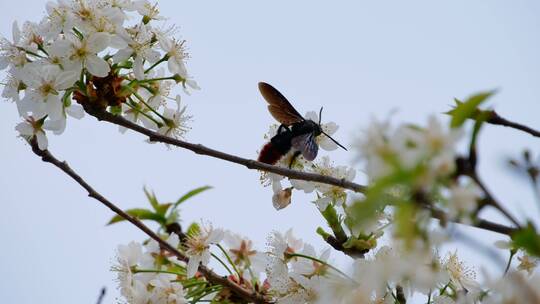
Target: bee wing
280	108
307	145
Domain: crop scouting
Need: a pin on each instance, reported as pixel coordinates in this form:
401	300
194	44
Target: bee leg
293	158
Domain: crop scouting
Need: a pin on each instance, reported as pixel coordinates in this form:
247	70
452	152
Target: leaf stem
230	260
222	263
321	262
166	57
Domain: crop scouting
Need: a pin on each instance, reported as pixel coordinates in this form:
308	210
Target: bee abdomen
270	154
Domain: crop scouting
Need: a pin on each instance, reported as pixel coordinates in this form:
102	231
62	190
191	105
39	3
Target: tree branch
252	164
491	200
211	276
479	223
495	119
249	163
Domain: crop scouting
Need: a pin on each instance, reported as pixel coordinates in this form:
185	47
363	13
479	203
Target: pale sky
358	59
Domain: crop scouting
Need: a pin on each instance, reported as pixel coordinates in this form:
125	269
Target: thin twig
101	295
211	276
491	199
478	223
252	164
495	119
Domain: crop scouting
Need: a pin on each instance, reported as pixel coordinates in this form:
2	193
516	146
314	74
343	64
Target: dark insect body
295	132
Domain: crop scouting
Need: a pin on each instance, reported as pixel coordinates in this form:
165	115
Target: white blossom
45	84
166	291
461	276
176	54
30	128
242	252
84	53
198	247
279	244
463	200
175	124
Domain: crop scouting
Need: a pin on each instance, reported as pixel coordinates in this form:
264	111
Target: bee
295	132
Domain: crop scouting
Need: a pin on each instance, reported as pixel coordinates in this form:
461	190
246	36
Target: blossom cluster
98	55
291	271
426	158
148	274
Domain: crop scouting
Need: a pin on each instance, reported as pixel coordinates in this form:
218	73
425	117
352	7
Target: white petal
54	107
205	257
15	32
42	140
117	42
276	186
312	115
165	44
57	126
152	56
138	68
177	67
97	66
66	80
216	236
192	84
4	62
97	42
327	144
25	128
330	128
193	265
322	203
60	48
76	111
122	55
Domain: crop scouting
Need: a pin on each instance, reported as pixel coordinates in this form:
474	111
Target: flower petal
138	68
326	143
42	140
66	79
24	128
193	265
97	66
76	111
97	42
57	126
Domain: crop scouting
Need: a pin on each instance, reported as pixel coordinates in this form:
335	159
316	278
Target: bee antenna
335	141
320	116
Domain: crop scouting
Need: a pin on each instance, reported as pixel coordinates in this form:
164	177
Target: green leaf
193	229
141	214
333	220
467	109
405	225
162	208
115	110
190	194
152	199
527	239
